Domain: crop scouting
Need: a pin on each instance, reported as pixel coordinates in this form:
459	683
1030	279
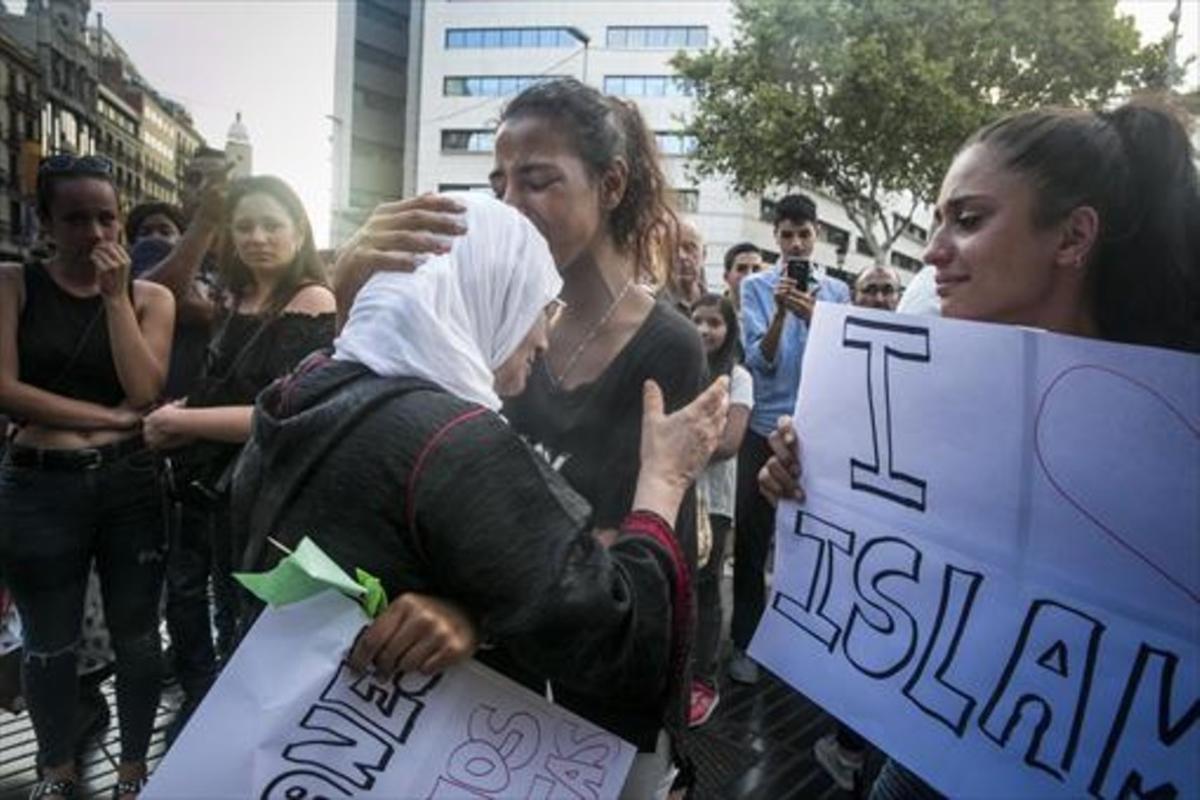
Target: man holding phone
777	307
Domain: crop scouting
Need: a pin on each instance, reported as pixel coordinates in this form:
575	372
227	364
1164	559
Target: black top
234	375
54	325
592	435
188	347
435	494
248	353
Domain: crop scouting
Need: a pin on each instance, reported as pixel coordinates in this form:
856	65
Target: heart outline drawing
1091	515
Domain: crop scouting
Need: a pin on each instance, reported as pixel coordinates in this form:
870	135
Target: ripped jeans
53	524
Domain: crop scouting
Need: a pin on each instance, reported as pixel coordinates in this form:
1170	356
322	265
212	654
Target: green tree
867	99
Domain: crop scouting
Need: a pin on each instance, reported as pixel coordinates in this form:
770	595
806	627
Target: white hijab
458	316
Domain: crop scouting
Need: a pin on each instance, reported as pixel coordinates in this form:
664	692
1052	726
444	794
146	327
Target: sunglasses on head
85	165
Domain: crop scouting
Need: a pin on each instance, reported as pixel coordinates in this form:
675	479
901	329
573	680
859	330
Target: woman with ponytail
584	168
1067	220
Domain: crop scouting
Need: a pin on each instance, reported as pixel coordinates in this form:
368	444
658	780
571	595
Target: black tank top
53	324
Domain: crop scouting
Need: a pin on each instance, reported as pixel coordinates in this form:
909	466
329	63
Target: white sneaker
844	771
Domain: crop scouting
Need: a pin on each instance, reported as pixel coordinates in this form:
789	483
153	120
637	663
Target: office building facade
466	58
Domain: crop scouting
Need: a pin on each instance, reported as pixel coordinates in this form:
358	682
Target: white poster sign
996	574
289	719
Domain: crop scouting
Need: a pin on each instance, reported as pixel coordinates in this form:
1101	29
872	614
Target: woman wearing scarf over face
391	455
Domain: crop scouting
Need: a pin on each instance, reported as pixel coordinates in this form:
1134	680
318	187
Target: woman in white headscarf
457	320
391	456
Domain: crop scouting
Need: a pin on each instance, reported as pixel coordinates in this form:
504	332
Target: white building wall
722	216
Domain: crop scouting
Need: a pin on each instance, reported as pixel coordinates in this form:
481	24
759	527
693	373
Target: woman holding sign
1074	222
393	458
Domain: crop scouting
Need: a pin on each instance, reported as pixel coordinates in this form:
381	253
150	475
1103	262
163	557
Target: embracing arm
397	237
517	549
28	403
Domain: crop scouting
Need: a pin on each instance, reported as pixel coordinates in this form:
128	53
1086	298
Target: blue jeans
201	548
53	524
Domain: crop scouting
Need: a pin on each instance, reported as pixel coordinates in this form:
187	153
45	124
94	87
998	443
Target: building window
482	188
907	263
838	237
490	85
468	141
379	12
367	149
379	57
658	37
673	143
647	86
494	38
862	248
766	210
687	201
378	101
912	230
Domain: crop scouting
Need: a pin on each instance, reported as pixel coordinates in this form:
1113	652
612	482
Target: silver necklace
587	339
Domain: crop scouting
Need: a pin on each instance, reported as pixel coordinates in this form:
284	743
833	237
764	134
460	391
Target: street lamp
585	40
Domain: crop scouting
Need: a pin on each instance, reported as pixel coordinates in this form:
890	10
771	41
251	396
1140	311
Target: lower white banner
288	718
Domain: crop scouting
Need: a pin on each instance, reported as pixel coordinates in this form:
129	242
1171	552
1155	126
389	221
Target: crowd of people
174	400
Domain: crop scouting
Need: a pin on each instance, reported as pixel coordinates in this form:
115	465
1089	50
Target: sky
273	61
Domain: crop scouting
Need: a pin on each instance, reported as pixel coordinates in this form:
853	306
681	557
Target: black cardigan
434	494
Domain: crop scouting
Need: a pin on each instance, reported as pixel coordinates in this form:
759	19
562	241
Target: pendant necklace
587	339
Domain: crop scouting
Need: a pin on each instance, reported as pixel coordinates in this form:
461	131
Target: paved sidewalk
18	771
759	746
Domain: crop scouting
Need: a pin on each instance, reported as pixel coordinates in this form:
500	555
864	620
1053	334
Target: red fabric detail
419	464
287	383
647	523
